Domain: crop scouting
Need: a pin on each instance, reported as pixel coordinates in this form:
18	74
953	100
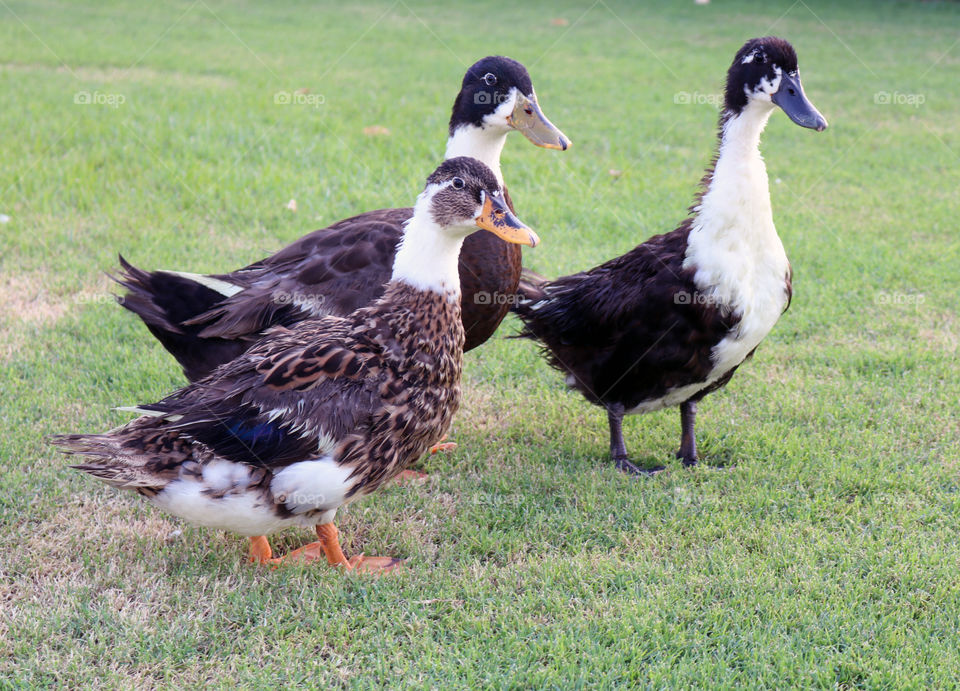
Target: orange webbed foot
376	565
407	476
443	445
418	475
327	547
305	555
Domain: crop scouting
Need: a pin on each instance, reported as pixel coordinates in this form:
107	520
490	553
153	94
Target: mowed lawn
818	545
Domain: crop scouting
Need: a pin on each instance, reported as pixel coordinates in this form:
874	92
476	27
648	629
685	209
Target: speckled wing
283	401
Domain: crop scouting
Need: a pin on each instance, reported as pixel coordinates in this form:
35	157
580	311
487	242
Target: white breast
744	274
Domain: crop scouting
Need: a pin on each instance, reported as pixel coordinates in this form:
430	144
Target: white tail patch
310	485
223	287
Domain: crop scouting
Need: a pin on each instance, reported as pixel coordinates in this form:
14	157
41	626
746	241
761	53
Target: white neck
733	245
427	257
739	182
484	144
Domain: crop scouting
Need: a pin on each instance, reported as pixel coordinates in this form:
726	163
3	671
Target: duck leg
328	546
618	448
688	439
260	552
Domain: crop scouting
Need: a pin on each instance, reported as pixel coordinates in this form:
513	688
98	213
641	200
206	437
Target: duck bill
528	119
499	220
794	102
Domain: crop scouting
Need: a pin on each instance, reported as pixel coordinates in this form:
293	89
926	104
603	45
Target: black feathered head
497	93
765	69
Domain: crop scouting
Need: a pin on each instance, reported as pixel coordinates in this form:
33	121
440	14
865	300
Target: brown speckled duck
205	321
672	319
325	411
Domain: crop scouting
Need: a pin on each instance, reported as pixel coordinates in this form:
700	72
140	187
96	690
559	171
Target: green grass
824	554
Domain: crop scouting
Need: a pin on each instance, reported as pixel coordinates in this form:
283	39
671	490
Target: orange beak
499	220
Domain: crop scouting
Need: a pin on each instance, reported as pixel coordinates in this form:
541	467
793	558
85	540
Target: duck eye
489	79
458	183
760	58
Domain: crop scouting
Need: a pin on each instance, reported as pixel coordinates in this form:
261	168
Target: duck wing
635	322
334	270
284	401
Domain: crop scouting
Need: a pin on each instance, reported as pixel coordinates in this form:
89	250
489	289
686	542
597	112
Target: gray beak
794	102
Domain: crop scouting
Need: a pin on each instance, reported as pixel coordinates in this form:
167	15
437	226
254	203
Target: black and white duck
205	321
323	412
671	320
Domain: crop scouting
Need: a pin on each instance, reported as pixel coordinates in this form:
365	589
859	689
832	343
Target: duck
207	320
322	412
671	320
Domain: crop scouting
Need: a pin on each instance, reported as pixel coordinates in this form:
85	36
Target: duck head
764	71
463	194
497	95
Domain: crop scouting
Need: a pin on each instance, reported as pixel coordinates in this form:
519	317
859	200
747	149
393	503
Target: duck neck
737	196
427	257
482	143
733	242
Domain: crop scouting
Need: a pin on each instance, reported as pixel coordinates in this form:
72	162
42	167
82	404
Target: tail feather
531	285
531	289
169	298
533	292
118	476
167	302
98	445
111	465
225	288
